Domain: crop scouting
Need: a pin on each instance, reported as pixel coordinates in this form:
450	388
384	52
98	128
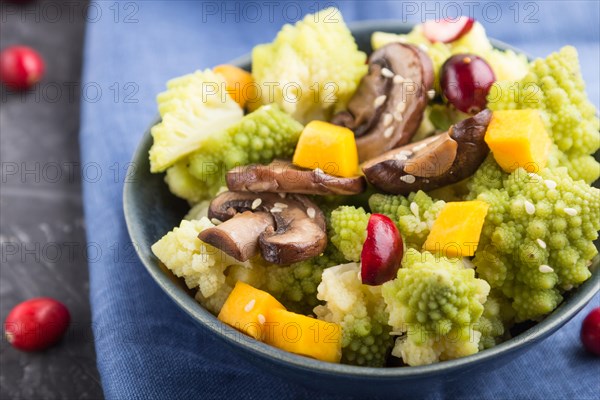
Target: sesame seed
400	107
385	72
398	116
280	205
276	210
261	319
423	47
216	221
387	119
408	179
388	132
529	208
398	79
407	153
534	176
431	94
414	207
420	147
401	157
541	243
544	269
282	195
250	305
570	211
256	203
550	184
318	171
379	100
311	212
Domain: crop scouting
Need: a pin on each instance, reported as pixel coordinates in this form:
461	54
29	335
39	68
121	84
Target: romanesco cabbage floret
435	305
495	321
537	239
360	311
584	167
555	86
190	116
316	64
183	184
295	286
349	230
414	215
260	137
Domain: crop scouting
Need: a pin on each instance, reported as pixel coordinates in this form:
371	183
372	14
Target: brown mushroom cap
293	231
284	177
433	162
387	108
297	236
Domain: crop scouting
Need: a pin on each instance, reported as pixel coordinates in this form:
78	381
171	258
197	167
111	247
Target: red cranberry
36	324
382	251
20	67
466	80
447	30
590	331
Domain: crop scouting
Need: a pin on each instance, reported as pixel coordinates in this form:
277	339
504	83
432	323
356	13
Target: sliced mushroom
286	230
284	177
238	237
433	162
387	108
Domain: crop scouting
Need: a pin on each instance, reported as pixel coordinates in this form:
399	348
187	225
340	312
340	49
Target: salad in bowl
402	208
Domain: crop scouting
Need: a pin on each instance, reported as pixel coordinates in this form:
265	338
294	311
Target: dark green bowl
151	211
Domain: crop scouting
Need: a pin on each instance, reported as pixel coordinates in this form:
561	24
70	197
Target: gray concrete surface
42	233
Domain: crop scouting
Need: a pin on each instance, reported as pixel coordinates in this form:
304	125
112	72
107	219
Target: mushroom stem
239	235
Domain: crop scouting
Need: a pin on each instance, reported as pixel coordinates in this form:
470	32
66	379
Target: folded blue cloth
146	347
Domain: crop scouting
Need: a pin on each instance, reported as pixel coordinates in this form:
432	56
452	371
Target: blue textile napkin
146	347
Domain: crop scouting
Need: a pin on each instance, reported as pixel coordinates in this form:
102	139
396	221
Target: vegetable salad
404	208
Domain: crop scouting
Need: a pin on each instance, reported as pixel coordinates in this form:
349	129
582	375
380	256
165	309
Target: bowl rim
562	314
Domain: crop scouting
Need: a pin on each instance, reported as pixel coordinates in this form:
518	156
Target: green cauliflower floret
349	230
360	311
414	215
555	86
295	286
495	321
435	303
316	64
537	239
584	167
505	64
201	265
183	184
260	137
191	114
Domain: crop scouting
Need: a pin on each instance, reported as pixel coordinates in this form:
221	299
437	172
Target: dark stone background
42	231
